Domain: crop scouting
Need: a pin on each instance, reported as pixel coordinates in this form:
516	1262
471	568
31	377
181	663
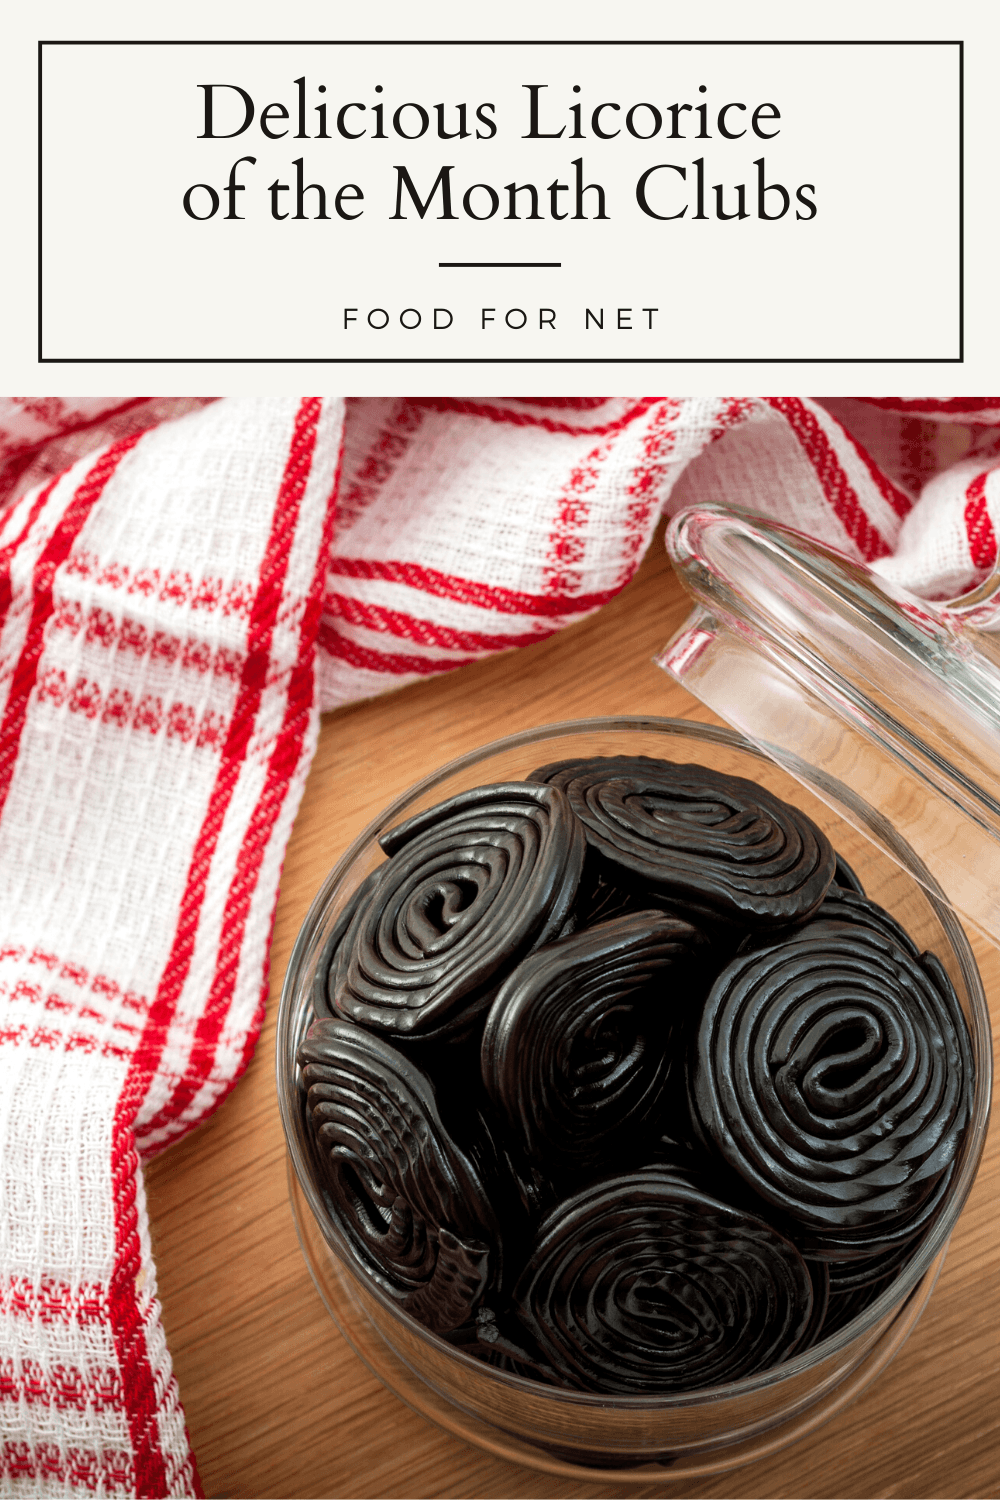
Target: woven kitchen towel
157	717
173	610
465	527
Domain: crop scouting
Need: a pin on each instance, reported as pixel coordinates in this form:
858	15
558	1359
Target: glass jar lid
854	686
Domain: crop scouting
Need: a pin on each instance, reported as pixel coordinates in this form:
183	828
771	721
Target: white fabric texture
157	717
466	527
175	608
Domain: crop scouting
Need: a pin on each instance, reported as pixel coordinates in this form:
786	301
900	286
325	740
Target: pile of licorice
618	1080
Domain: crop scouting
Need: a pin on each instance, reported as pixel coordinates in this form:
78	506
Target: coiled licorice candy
643	1284
832	1072
720	846
576	1047
472	886
531	1159
855	1284
321	998
408	1200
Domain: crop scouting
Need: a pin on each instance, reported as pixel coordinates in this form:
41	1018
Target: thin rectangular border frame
514	360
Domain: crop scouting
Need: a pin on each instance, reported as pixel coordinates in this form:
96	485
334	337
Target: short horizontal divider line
447	265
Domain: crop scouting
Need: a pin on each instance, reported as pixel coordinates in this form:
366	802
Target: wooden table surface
276	1402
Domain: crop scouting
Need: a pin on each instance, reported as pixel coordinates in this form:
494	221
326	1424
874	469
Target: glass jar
633	1438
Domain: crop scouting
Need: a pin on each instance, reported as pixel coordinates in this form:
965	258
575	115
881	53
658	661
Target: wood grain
276	1402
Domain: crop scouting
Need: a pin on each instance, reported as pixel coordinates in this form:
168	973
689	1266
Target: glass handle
979	608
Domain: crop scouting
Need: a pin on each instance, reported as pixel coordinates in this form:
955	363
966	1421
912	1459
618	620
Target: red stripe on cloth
264	614
425	632
733	412
836	487
504	414
62	1040
81	424
128	1329
494	597
897	499
978	526
383	457
916	452
117	709
141	1409
106	991
51	1301
953	405
15	460
7	555
284	760
53	555
398	663
567	545
128	635
333	515
205	592
107	1472
644	490
65	1387
568	403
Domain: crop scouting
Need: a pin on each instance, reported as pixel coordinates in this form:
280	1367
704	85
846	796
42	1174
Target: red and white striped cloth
175	609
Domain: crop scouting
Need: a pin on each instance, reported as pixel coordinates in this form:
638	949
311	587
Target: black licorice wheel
840	905
409	1201
472	886
575	1050
339	930
642	1284
720	845
508	897
833	1073
855	1284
